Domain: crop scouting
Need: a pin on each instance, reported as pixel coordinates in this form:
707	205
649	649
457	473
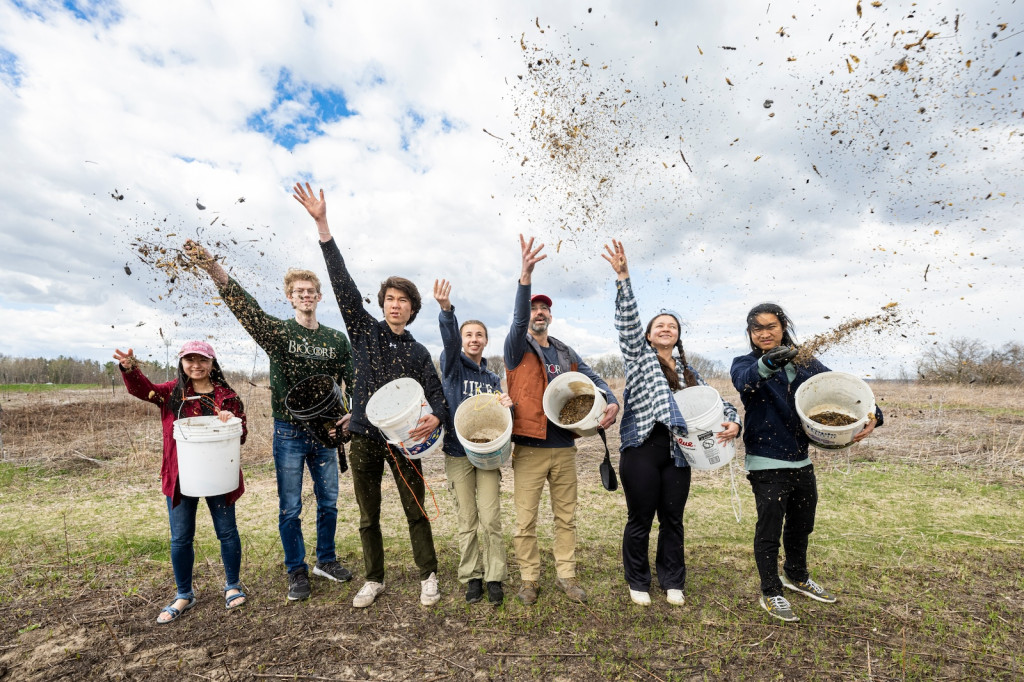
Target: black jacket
379	355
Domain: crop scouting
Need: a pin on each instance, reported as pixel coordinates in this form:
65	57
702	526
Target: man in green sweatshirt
298	348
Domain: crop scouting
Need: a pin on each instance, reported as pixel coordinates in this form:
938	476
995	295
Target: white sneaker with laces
429	594
676	597
367	594
638	597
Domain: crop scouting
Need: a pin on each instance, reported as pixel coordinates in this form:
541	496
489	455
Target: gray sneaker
778	607
809	588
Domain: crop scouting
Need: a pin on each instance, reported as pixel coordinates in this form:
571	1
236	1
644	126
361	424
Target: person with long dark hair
655	475
777	460
198	389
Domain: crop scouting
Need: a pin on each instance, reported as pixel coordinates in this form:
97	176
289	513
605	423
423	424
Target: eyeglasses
304	292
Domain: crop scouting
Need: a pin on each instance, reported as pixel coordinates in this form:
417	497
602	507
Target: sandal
175	613
229	599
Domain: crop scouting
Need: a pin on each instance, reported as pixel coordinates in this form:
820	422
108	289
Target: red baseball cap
541	298
197	347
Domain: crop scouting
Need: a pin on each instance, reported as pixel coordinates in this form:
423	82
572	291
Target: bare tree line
968	361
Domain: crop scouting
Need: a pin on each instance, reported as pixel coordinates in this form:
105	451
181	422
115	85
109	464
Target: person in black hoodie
382	351
779	466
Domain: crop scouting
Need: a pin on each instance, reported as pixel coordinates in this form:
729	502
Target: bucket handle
183	429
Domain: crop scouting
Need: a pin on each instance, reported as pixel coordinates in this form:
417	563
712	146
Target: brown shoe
528	592
572	589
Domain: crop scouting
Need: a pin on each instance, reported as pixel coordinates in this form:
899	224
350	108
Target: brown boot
528	592
572	589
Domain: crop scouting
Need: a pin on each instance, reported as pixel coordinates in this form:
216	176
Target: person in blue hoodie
780	470
464	374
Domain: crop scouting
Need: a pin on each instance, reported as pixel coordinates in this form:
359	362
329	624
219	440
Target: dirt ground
97	621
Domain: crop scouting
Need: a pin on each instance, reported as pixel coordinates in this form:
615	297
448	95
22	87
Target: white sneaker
638	597
676	598
367	594
428	591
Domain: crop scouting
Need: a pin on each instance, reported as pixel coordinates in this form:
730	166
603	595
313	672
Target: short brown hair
406	287
476	322
294	275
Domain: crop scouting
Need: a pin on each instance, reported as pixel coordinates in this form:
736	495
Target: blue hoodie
772	424
461	378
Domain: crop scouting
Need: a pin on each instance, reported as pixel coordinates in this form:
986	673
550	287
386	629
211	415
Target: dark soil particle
576	408
829	418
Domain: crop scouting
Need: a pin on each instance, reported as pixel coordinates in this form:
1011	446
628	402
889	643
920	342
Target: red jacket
159	394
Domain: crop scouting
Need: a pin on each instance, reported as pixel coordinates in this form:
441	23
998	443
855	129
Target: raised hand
531	256
204	260
127	360
442	293
316	207
616	255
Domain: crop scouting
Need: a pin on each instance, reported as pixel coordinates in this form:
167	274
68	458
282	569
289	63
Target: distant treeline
968	361
64	370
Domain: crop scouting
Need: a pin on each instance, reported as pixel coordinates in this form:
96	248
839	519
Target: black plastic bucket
317	403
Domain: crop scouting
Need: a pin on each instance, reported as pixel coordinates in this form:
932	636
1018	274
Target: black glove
779	357
342	460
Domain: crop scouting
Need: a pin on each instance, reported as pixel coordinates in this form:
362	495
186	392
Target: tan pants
478	509
533	466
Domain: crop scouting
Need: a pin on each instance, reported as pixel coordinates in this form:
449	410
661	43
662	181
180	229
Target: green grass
40	388
928	554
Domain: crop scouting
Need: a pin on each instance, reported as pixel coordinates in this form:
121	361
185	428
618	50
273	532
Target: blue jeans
183	531
293	447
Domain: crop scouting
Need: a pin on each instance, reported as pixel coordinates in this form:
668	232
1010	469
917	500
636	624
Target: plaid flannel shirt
648	398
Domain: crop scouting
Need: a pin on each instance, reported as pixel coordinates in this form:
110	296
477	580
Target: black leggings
653	484
783	496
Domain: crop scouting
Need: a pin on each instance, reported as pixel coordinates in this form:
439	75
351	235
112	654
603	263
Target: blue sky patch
104	12
10	68
299	111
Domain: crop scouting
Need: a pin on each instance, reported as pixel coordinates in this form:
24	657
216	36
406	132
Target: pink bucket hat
197	347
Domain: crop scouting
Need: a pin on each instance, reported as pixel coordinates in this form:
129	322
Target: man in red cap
543	451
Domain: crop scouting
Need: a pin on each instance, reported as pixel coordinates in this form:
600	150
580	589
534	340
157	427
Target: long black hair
788	330
689	379
178	392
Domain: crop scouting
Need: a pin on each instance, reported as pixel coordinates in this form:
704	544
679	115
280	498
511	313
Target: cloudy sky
831	159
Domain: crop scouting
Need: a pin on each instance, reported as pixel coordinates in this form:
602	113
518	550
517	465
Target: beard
539	327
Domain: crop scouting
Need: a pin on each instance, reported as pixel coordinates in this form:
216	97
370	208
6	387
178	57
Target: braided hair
668	368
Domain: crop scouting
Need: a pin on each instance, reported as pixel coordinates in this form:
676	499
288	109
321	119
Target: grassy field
37	388
920	531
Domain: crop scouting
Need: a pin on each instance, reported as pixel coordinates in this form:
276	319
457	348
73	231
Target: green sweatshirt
295	352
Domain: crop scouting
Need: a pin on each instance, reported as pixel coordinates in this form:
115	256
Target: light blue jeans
294	449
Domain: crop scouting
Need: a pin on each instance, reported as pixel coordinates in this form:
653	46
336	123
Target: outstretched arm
531	256
449	325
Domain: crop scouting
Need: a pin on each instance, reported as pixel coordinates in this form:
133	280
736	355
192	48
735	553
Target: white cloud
155	101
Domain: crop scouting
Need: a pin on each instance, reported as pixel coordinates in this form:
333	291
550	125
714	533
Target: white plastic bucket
395	409
704	412
209	455
482	417
566	386
834	392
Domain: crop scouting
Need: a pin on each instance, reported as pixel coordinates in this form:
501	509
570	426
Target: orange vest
526	385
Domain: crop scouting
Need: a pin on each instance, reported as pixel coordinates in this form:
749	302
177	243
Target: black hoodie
379	355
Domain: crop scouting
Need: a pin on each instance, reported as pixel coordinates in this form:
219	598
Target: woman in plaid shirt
655	475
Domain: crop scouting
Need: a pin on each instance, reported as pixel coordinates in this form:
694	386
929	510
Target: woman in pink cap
199	389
